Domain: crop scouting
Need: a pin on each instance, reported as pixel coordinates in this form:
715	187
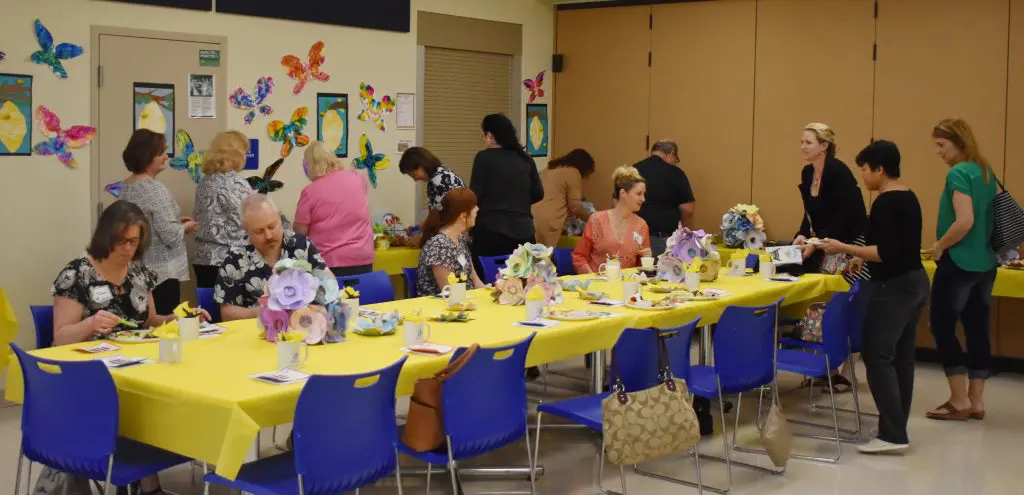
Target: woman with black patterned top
420	164
446	244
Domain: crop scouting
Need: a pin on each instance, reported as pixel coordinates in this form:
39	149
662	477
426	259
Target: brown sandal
951	414
978	415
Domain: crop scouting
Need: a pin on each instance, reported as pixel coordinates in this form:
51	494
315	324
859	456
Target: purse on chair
643	425
424	428
776	436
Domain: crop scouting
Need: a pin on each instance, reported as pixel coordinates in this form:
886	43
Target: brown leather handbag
424	428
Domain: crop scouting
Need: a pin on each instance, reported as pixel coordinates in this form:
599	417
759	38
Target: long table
209	409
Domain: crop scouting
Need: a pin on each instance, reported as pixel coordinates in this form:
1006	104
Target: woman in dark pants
898	290
962	289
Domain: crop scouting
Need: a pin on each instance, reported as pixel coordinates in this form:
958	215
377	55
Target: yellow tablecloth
8	328
1009	282
208	409
393	259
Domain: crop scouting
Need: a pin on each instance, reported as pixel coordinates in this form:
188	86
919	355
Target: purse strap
664	369
454	367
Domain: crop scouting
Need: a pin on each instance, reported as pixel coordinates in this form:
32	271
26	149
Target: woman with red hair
446	243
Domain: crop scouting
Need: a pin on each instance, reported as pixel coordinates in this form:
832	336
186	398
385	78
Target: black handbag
1009	220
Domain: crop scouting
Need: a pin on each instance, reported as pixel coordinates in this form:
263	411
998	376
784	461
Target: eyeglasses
133	242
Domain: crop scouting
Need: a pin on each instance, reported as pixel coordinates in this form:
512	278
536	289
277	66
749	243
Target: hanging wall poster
15	114
537	125
405	107
201	90
332	122
154	110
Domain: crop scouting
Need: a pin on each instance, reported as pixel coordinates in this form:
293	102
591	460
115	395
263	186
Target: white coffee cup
456	293
170	351
629	289
352	303
691	281
291	355
188	329
610	269
737	267
535	309
415	333
647	262
767	269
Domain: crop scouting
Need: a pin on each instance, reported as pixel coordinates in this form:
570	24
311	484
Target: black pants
960	295
167	296
487	242
890	327
345	271
206	275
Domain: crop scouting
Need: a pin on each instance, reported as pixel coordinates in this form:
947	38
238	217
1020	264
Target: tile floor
977	457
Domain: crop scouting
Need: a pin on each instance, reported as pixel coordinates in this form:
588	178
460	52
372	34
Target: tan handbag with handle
776	436
651	423
424	428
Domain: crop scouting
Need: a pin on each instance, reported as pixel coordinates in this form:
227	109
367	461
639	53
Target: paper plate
650	308
132	336
574	315
709	295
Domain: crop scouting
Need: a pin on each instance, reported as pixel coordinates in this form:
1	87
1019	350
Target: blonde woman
962	286
218	198
334	212
618	232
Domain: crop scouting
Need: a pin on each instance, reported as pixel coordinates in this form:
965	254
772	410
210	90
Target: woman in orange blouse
617	232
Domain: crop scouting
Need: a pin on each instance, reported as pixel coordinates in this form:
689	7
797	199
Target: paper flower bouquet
742	226
529	266
688	250
298	298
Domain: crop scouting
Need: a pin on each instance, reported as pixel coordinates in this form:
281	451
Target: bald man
246	269
670	202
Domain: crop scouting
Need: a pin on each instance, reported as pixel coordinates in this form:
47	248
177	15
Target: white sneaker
876	446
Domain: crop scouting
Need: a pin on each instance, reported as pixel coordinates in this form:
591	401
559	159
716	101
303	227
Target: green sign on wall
209	58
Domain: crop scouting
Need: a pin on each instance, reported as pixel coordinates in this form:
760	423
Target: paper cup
691	281
647	262
630	289
535	309
767	269
291	355
188	329
170	351
456	293
737	267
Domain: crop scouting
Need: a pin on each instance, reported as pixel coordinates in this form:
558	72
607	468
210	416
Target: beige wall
46	208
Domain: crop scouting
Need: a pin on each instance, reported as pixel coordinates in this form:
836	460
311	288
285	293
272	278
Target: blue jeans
960	295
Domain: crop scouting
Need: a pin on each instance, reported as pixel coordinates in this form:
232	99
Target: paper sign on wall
252	158
209	58
406	109
201	93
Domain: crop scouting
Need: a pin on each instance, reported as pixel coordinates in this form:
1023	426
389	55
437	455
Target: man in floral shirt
246	270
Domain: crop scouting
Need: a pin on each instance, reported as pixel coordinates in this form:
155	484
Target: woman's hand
203	315
645	252
808	250
800	241
855	266
187	219
832	246
103	322
937	251
190	226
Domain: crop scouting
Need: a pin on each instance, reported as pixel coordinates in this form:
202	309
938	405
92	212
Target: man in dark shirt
669	200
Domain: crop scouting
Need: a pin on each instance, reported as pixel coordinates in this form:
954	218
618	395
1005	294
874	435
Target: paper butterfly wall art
2	56
187	157
60	141
52	55
535	86
369	160
374	109
253	102
304	72
114	188
290	135
266	183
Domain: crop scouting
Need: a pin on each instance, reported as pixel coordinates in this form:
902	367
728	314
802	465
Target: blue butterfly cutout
369	160
50	55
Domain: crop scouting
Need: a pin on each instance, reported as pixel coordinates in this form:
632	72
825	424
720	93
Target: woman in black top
506	184
896	293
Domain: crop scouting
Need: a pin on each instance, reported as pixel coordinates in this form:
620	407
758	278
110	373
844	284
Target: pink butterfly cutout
60	142
534	85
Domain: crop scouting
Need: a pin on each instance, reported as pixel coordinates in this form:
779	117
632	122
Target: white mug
353	304
415	333
170	351
291	355
456	293
767	269
535	309
188	329
630	289
691	281
647	262
737	267
610	269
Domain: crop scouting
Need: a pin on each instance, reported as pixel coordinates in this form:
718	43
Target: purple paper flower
273	322
291	290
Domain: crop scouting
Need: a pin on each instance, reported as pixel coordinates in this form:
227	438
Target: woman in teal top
962	286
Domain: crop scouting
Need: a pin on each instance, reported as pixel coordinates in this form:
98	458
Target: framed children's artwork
332	122
537	129
15	114
154	110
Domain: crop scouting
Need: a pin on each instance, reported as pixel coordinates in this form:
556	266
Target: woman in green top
962	287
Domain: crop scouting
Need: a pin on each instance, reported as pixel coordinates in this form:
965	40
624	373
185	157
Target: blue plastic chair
374	287
344	438
490	266
42	316
635	359
409	274
563	261
484	408
744	351
206	301
69	423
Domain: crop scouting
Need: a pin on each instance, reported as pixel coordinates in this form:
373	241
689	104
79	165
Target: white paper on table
784	277
207	330
604	301
429	349
99	348
280	377
119	361
538	323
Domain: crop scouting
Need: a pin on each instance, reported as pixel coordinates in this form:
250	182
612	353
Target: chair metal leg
206	485
429	469
599	479
28	482
17	475
398	472
451	467
110	471
531	459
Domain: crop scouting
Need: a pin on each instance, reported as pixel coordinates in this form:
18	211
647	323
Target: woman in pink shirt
618	232
334	212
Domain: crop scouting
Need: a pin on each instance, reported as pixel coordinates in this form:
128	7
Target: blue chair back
409	274
374	287
42	316
344	432
679	348
485	402
490	266
70	416
835	327
635	355
745	347
861	296
563	261
205	296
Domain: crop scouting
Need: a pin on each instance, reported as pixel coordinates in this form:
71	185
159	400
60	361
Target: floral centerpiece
687	249
298	298
529	266
742	226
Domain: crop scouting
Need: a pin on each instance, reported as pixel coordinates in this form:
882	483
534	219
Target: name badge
100	294
638	238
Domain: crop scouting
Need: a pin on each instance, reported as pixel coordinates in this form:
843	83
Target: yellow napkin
291	336
349	293
169	330
695	265
536	294
454	279
184	311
